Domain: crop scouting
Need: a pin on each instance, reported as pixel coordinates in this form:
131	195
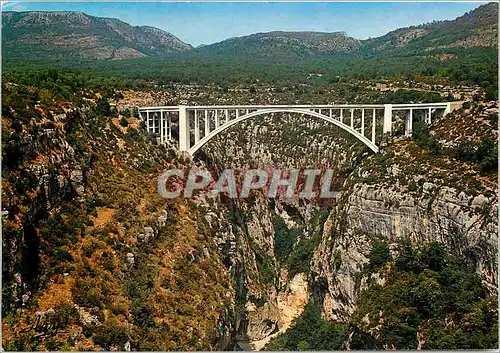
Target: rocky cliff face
406	195
93	258
273	290
477	28
464	223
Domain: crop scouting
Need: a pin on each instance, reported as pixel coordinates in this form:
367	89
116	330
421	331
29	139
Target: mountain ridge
77	34
282	44
476	28
106	38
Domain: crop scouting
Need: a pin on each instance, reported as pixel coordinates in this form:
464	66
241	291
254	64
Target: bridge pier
162	128
362	121
387	129
374	125
196	127
409	123
184	129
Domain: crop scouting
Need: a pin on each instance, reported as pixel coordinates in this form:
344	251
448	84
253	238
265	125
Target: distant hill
280	44
463	50
475	29
75	34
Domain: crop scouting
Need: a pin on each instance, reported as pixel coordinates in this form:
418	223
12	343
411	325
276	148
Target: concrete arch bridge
199	124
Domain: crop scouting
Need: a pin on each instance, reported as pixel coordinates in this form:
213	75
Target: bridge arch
193	149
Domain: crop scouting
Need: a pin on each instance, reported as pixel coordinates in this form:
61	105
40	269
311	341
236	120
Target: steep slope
438	187
76	34
475	29
93	258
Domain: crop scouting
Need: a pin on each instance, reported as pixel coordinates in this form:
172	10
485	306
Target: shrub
310	331
103	107
86	294
284	239
435	147
65	315
123	122
487	154
266	268
432	293
109	335
301	257
465	150
485	148
420	132
48	125
125	112
379	255
489	164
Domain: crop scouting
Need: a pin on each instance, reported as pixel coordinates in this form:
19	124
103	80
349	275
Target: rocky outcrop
465	224
291	302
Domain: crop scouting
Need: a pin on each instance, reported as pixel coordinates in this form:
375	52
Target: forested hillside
461	51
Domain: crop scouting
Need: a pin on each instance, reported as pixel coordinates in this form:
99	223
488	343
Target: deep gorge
114	266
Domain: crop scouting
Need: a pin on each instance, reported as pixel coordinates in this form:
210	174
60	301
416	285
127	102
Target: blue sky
205	23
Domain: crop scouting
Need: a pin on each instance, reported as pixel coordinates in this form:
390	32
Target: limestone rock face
77	34
465	224
244	232
268	299
262	321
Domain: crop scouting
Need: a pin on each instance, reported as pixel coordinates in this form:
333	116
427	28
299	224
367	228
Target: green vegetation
74	216
78	202
379	255
422	136
284	239
487	154
426	294
294	247
103	107
473	66
484	153
64	84
432	293
123	122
